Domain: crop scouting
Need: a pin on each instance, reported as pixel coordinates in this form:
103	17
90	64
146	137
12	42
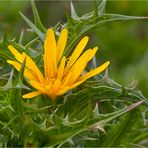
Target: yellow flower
60	74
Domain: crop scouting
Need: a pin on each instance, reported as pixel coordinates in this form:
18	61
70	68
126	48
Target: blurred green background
125	44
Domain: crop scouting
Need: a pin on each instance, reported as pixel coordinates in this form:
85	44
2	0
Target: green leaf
33	27
18	82
117	131
21	36
31	42
101	8
141	137
80	127
119	113
9	83
87	24
16	101
73	12
4	53
38	22
16	96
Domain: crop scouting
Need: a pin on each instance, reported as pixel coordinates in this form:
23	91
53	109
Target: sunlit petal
32	67
93	52
77	52
81	63
29	63
79	67
61	43
38	86
61	68
50	54
17	66
14	51
90	74
31	95
94	71
63	90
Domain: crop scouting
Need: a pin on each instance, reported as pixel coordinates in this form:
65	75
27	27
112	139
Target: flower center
53	86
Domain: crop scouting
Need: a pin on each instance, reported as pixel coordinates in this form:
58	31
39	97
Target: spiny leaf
19	47
67	137
31	42
66	122
37	18
115	134
21	73
21	36
16	102
6	108
33	27
138	94
5	37
86	26
73	12
4	53
95	9
141	137
119	113
90	126
18	82
9	83
96	110
101	7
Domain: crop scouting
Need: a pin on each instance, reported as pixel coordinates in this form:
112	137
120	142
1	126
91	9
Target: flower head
60	74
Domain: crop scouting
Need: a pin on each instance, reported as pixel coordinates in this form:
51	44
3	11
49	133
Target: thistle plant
51	96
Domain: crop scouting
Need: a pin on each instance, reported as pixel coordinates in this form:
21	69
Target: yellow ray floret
61	74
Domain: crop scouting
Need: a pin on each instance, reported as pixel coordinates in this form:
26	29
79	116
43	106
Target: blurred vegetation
125	44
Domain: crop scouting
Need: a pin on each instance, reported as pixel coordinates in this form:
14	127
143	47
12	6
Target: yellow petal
76	84
29	63
55	87
40	87
81	63
17	66
32	67
90	74
61	43
61	68
50	53
63	90
19	57
94	71
79	67
67	79
77	52
94	50
31	95
14	51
